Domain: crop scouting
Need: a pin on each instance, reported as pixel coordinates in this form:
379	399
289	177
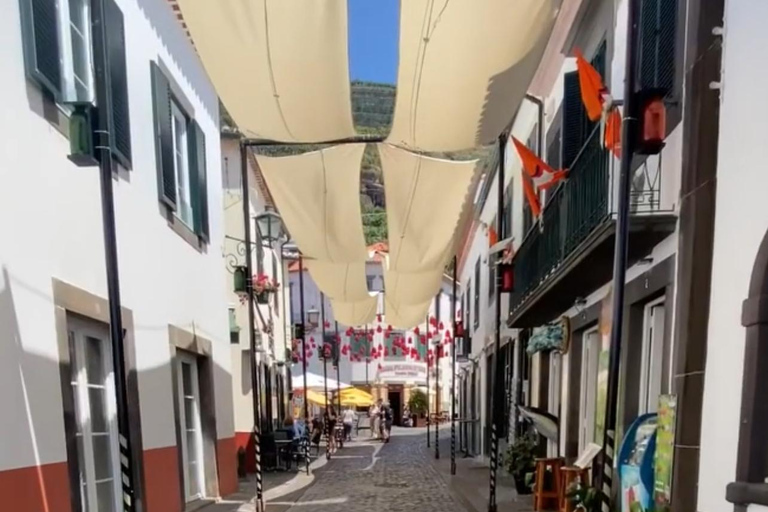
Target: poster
665	452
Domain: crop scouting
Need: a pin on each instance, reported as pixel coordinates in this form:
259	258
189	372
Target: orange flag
533	201
592	88
493	238
536	168
612	140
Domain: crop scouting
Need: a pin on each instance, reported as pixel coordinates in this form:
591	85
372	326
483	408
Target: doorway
395	399
191	427
652	371
590	356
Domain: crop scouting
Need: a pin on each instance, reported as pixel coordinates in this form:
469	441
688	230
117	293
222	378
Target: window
469	304
191	426
438	298
179	129
394	353
180	157
652	361
554	390
234	329
276	296
96	416
588	409
476	322
58	56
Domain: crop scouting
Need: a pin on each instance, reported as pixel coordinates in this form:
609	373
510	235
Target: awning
405	316
355	313
280	67
464	68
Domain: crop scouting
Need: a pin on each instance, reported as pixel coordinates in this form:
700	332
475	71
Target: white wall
50	227
741	219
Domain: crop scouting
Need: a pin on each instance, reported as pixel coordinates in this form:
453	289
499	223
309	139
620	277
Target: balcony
569	254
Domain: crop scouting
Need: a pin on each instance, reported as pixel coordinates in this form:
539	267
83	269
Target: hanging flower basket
262	298
554	336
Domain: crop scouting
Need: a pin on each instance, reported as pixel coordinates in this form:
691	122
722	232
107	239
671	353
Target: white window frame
191	360
78	331
590	361
652	359
181	164
67	56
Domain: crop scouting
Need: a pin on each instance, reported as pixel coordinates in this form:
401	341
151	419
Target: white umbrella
316	382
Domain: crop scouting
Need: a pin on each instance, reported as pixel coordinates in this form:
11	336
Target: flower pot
520	485
262	298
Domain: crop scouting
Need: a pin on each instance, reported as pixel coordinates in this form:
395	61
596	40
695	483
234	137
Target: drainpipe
539	102
103	145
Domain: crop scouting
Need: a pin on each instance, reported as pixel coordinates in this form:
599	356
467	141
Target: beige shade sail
426	199
279	66
412	287
318	196
402	316
355	313
464	68
345	282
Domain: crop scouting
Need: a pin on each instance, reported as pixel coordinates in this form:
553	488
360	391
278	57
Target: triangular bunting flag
543	175
530	195
612	139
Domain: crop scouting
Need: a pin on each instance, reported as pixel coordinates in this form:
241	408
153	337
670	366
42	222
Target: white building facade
60	446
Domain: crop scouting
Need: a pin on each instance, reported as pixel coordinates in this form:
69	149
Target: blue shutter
120	125
40	30
161	101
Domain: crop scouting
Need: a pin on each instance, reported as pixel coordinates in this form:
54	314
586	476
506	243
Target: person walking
349	417
375	416
386	416
331	418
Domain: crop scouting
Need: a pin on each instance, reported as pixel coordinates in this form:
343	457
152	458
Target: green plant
584	497
519	459
417	402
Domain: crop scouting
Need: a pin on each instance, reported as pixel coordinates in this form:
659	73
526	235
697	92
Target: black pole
429	441
437	389
304	353
367	359
256	391
453	371
498	384
103	145
326	417
337	356
628	139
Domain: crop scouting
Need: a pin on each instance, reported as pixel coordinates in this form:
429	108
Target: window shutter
40	27
118	84
658	29
553	151
161	100
198	179
573	118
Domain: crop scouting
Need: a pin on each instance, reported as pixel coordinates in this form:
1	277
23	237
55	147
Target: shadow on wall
32	384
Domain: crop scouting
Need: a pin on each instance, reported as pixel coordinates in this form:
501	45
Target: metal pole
103	145
498	384
437	391
304	354
367	359
326	417
256	391
337	360
628	139
429	441
453	372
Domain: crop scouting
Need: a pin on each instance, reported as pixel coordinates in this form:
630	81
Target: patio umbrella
356	397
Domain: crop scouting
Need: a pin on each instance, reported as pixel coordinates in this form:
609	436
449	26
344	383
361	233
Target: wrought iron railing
573	211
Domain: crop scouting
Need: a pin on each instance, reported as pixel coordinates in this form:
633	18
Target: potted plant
519	461
417	403
583	497
263	286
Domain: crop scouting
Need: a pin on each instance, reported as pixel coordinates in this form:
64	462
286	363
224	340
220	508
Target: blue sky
373	38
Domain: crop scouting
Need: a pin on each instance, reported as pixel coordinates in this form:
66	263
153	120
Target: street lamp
270	226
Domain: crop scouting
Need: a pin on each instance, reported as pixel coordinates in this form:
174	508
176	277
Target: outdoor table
282	445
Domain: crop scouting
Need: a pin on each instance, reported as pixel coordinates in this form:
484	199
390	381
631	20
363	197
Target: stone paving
376	477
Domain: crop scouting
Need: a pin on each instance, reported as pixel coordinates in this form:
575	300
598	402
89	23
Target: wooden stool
569	475
540	494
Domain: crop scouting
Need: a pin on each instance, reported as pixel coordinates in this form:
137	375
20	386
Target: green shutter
40	30
573	118
161	101
658	33
120	126
198	179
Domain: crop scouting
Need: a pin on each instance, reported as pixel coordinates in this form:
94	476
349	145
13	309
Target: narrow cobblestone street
371	477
